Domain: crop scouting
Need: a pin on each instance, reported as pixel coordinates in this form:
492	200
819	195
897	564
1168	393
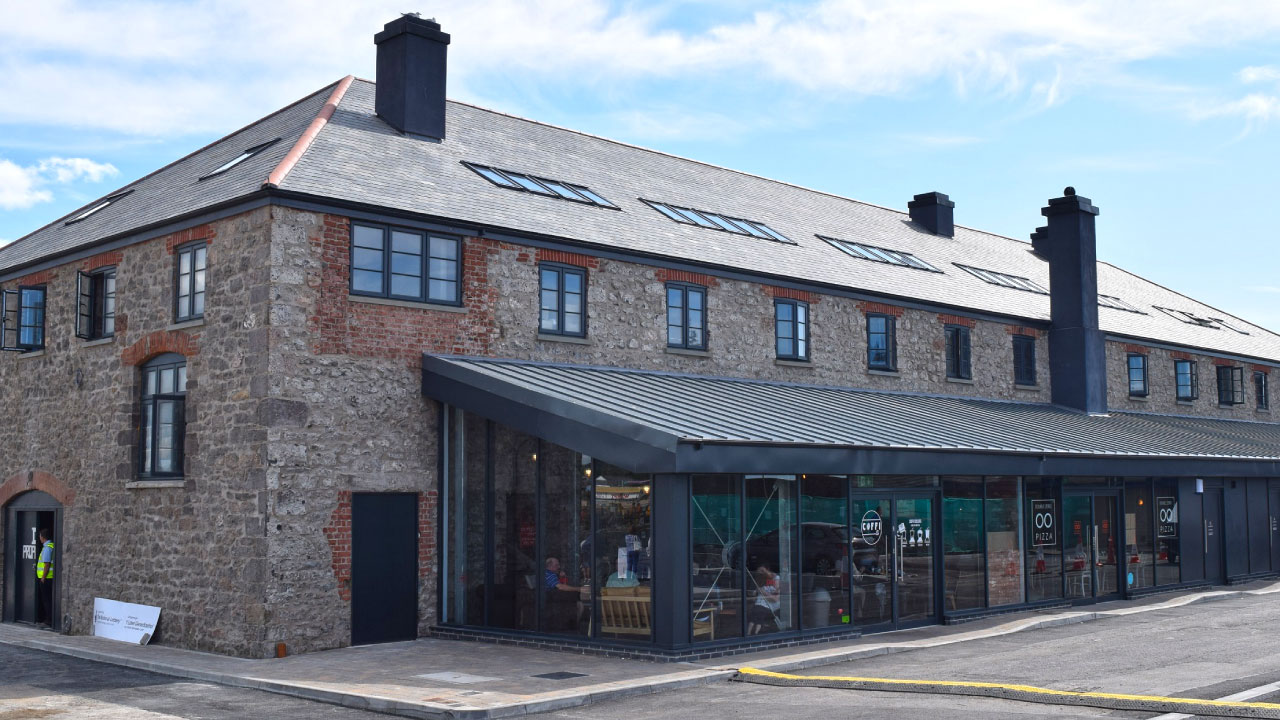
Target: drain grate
561	675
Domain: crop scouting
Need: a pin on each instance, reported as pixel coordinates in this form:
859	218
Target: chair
625	611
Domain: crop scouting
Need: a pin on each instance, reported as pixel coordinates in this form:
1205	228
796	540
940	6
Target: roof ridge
153	173
308	136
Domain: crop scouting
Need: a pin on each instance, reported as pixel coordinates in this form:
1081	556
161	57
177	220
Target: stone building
382	365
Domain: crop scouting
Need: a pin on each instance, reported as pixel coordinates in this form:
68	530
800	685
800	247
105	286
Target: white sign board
125	622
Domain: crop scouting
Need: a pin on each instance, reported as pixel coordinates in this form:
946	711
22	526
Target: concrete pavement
434	678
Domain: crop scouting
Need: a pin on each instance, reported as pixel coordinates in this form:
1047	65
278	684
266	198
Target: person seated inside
561	608
763	616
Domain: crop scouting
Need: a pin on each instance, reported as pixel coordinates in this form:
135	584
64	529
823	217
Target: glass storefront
538	538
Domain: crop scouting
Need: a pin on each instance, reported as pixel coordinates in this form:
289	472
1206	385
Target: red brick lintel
957	320
160	341
1022	330
667	275
204	232
106	259
791	294
875	307
568	258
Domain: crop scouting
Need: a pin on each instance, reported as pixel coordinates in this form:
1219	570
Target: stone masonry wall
1162	394
195	547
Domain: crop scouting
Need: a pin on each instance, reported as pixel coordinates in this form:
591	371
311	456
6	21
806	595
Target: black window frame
184	310
41	326
1230	385
891	342
1193	380
561	270
1261	388
1024	360
425	256
96	303
148	430
797	326
1145	390
959	352
685	290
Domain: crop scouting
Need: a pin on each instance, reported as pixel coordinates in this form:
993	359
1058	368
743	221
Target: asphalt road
1207	650
35	684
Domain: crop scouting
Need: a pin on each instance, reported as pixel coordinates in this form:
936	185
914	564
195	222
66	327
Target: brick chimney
1077	352
411	75
935	212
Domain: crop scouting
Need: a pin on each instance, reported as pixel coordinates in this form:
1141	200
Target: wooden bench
629	611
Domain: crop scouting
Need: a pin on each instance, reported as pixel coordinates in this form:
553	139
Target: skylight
880	255
1192	319
1115	302
540	185
716	221
241	158
98	206
1003	280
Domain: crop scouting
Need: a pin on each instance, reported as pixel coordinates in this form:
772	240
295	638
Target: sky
1165	113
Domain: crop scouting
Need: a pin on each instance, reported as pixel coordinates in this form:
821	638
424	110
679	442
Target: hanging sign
124	621
1044	522
871	527
1167	517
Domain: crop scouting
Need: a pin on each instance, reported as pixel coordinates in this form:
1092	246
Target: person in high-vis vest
44	574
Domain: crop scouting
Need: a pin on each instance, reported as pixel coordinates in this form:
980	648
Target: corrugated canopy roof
675	422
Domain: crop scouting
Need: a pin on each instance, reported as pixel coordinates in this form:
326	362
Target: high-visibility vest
44	567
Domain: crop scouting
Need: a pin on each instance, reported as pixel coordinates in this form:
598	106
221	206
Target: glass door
894	564
1092	546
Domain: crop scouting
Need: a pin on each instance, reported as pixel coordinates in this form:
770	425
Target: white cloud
163	68
1264	289
1260	73
24	186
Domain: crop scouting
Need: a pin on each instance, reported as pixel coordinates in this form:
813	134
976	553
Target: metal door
1211	527
384	567
1273	517
26	552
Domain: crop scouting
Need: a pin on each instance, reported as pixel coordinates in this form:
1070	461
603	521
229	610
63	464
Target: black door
26	601
1274	519
384	567
1212	528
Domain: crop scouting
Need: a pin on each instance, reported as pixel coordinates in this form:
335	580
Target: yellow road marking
1019	688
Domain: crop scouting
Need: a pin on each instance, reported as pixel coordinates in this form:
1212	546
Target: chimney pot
410	94
935	212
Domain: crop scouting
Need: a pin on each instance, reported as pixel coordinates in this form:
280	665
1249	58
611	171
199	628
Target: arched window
162	426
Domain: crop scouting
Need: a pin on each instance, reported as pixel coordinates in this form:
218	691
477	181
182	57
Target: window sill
574	339
1139	398
1262	411
884	373
793	363
186	324
1188	403
155	484
690	353
1228	406
31	354
438	307
1028	388
960	381
99	341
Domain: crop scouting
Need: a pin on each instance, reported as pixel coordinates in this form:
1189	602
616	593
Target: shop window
958	352
1024	360
519	571
824	559
1137	364
1187	379
563	300
769	542
1044	533
405	264
1168	559
96	304
964	560
882	343
1230	385
686	316
1260	390
792	329
717	586
1004	541
1140	551
192	267
163	424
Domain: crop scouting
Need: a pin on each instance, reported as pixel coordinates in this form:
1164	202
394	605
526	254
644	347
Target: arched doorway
25	517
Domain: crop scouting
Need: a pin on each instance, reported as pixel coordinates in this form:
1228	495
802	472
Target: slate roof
677	408
359	158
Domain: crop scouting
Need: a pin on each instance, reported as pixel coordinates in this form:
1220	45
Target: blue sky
1166	114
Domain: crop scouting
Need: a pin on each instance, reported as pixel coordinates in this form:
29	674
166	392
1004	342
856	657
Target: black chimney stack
1077	352
1040	242
935	212
411	75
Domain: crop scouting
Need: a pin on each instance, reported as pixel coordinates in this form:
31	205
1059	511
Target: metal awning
650	421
